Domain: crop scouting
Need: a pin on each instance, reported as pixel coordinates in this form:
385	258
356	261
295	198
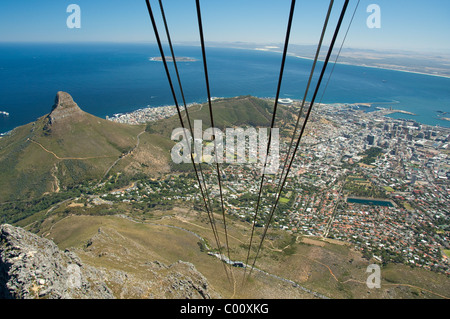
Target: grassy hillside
32	163
330	268
45	162
46	156
38	158
91	170
241	111
230	112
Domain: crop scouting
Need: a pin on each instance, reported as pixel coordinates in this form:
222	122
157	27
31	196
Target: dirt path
67	158
125	155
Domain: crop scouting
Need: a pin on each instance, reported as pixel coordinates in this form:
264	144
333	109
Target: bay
106	78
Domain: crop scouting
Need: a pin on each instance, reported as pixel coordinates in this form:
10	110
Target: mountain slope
228	112
63	148
34	267
69	146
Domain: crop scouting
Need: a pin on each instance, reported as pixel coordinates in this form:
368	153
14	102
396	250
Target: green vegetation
33	163
319	266
81	198
447	252
13	212
41	157
240	111
370	155
363	187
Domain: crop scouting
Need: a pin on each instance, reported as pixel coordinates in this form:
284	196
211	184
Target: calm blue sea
105	79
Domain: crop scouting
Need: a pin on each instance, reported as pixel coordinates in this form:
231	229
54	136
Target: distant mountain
69	146
228	112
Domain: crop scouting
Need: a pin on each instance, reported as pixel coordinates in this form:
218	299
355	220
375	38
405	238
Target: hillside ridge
32	267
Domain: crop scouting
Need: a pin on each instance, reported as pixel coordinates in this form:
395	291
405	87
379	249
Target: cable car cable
205	69
280	78
158	40
333	41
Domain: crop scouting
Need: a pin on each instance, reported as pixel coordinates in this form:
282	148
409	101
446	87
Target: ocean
105	79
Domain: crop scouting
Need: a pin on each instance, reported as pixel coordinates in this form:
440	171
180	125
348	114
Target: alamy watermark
74	276
374	279
374	19
74	19
235	146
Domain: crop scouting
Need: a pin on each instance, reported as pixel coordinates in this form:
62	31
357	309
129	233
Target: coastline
360	65
388	112
169	110
398	70
125	104
164	111
271	49
383	68
170	59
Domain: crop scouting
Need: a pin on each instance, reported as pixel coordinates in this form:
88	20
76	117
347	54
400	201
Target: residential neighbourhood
359	176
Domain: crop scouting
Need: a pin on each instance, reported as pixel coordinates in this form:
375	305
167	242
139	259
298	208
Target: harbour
110	82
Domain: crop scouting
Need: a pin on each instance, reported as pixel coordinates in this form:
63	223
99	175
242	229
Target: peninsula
170	59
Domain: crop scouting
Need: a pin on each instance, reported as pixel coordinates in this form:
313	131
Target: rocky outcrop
34	267
185	281
133	271
64	107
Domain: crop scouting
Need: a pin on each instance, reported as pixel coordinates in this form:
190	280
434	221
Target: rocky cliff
33	267
64	107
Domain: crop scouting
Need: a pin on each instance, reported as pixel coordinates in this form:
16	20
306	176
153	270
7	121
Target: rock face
64	107
135	272
34	267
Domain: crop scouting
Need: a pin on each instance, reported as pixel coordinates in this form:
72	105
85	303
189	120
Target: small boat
4	113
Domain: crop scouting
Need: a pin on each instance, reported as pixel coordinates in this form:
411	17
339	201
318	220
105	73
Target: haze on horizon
405	25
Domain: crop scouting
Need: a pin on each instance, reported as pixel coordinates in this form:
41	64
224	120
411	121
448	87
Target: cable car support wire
330	50
198	171
206	201
205	69
269	142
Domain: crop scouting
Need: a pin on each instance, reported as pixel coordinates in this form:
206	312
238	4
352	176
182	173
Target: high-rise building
371	139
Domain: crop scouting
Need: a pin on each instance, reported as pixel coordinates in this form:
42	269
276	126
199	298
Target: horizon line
194	43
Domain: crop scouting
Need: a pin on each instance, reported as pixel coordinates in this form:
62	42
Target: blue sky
405	24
